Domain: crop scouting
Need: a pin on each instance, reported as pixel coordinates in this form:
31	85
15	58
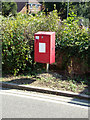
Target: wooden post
47	67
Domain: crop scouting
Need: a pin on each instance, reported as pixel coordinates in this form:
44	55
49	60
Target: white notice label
37	37
42	47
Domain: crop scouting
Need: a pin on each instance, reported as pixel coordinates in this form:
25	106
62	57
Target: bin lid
44	33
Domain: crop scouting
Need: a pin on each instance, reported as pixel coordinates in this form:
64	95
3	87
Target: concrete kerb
44	90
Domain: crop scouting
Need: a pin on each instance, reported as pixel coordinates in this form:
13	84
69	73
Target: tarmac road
21	104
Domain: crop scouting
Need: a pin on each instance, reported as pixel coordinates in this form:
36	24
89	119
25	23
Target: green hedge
18	39
73	42
16	51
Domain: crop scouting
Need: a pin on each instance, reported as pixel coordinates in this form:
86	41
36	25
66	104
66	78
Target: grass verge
51	80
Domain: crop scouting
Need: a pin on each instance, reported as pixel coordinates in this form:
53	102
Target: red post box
44	47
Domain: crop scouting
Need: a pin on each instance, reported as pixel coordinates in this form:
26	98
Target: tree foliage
61	8
80	8
9	8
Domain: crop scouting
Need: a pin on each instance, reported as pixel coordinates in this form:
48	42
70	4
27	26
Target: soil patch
50	80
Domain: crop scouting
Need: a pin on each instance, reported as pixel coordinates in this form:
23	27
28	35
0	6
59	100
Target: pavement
44	90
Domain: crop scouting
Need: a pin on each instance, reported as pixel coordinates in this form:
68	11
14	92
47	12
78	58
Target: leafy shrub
16	52
73	42
18	39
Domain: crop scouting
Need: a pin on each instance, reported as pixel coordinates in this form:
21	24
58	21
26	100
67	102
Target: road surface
20	104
